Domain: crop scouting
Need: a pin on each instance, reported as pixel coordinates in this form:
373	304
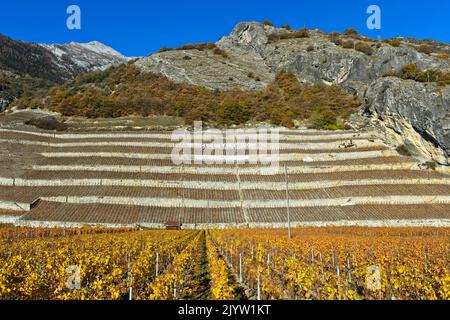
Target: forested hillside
125	90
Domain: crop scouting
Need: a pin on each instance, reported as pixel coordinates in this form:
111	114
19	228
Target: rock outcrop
313	59
3	104
417	114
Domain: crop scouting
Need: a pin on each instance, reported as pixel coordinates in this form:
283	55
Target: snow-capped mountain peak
84	57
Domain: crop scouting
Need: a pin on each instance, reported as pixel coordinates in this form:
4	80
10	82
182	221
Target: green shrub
301	33
443	56
286	26
47	123
404	150
430	165
283	36
188	46
390	73
93	77
199	46
232	112
350	32
431	75
409	71
323	119
425	49
267	23
220	52
335	34
364	48
335	126
348	44
393	42
164	49
277	36
445	80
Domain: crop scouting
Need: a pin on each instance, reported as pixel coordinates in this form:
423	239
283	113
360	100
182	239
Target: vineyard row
28	194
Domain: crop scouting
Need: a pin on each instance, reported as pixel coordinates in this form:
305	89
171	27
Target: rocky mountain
265	50
23	62
413	108
78	58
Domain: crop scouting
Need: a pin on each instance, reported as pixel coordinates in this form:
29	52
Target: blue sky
139	27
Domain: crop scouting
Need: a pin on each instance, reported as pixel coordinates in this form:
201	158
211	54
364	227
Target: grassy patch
404	150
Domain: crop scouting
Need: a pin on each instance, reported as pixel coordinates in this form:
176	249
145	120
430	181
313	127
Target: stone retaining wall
282	145
147	202
328	156
9	219
14	206
342	135
218	185
227	170
294	203
340	223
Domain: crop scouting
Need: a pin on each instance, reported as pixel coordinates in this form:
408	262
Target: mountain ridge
313	56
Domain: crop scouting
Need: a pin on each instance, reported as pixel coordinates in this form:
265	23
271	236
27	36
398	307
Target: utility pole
287	202
182	194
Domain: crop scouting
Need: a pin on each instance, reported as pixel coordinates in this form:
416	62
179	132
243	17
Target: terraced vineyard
129	179
317	263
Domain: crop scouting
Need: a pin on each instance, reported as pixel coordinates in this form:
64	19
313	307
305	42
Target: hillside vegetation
125	90
13	85
411	72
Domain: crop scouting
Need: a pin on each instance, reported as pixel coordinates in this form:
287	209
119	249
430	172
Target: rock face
249	36
3	104
411	109
417	113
